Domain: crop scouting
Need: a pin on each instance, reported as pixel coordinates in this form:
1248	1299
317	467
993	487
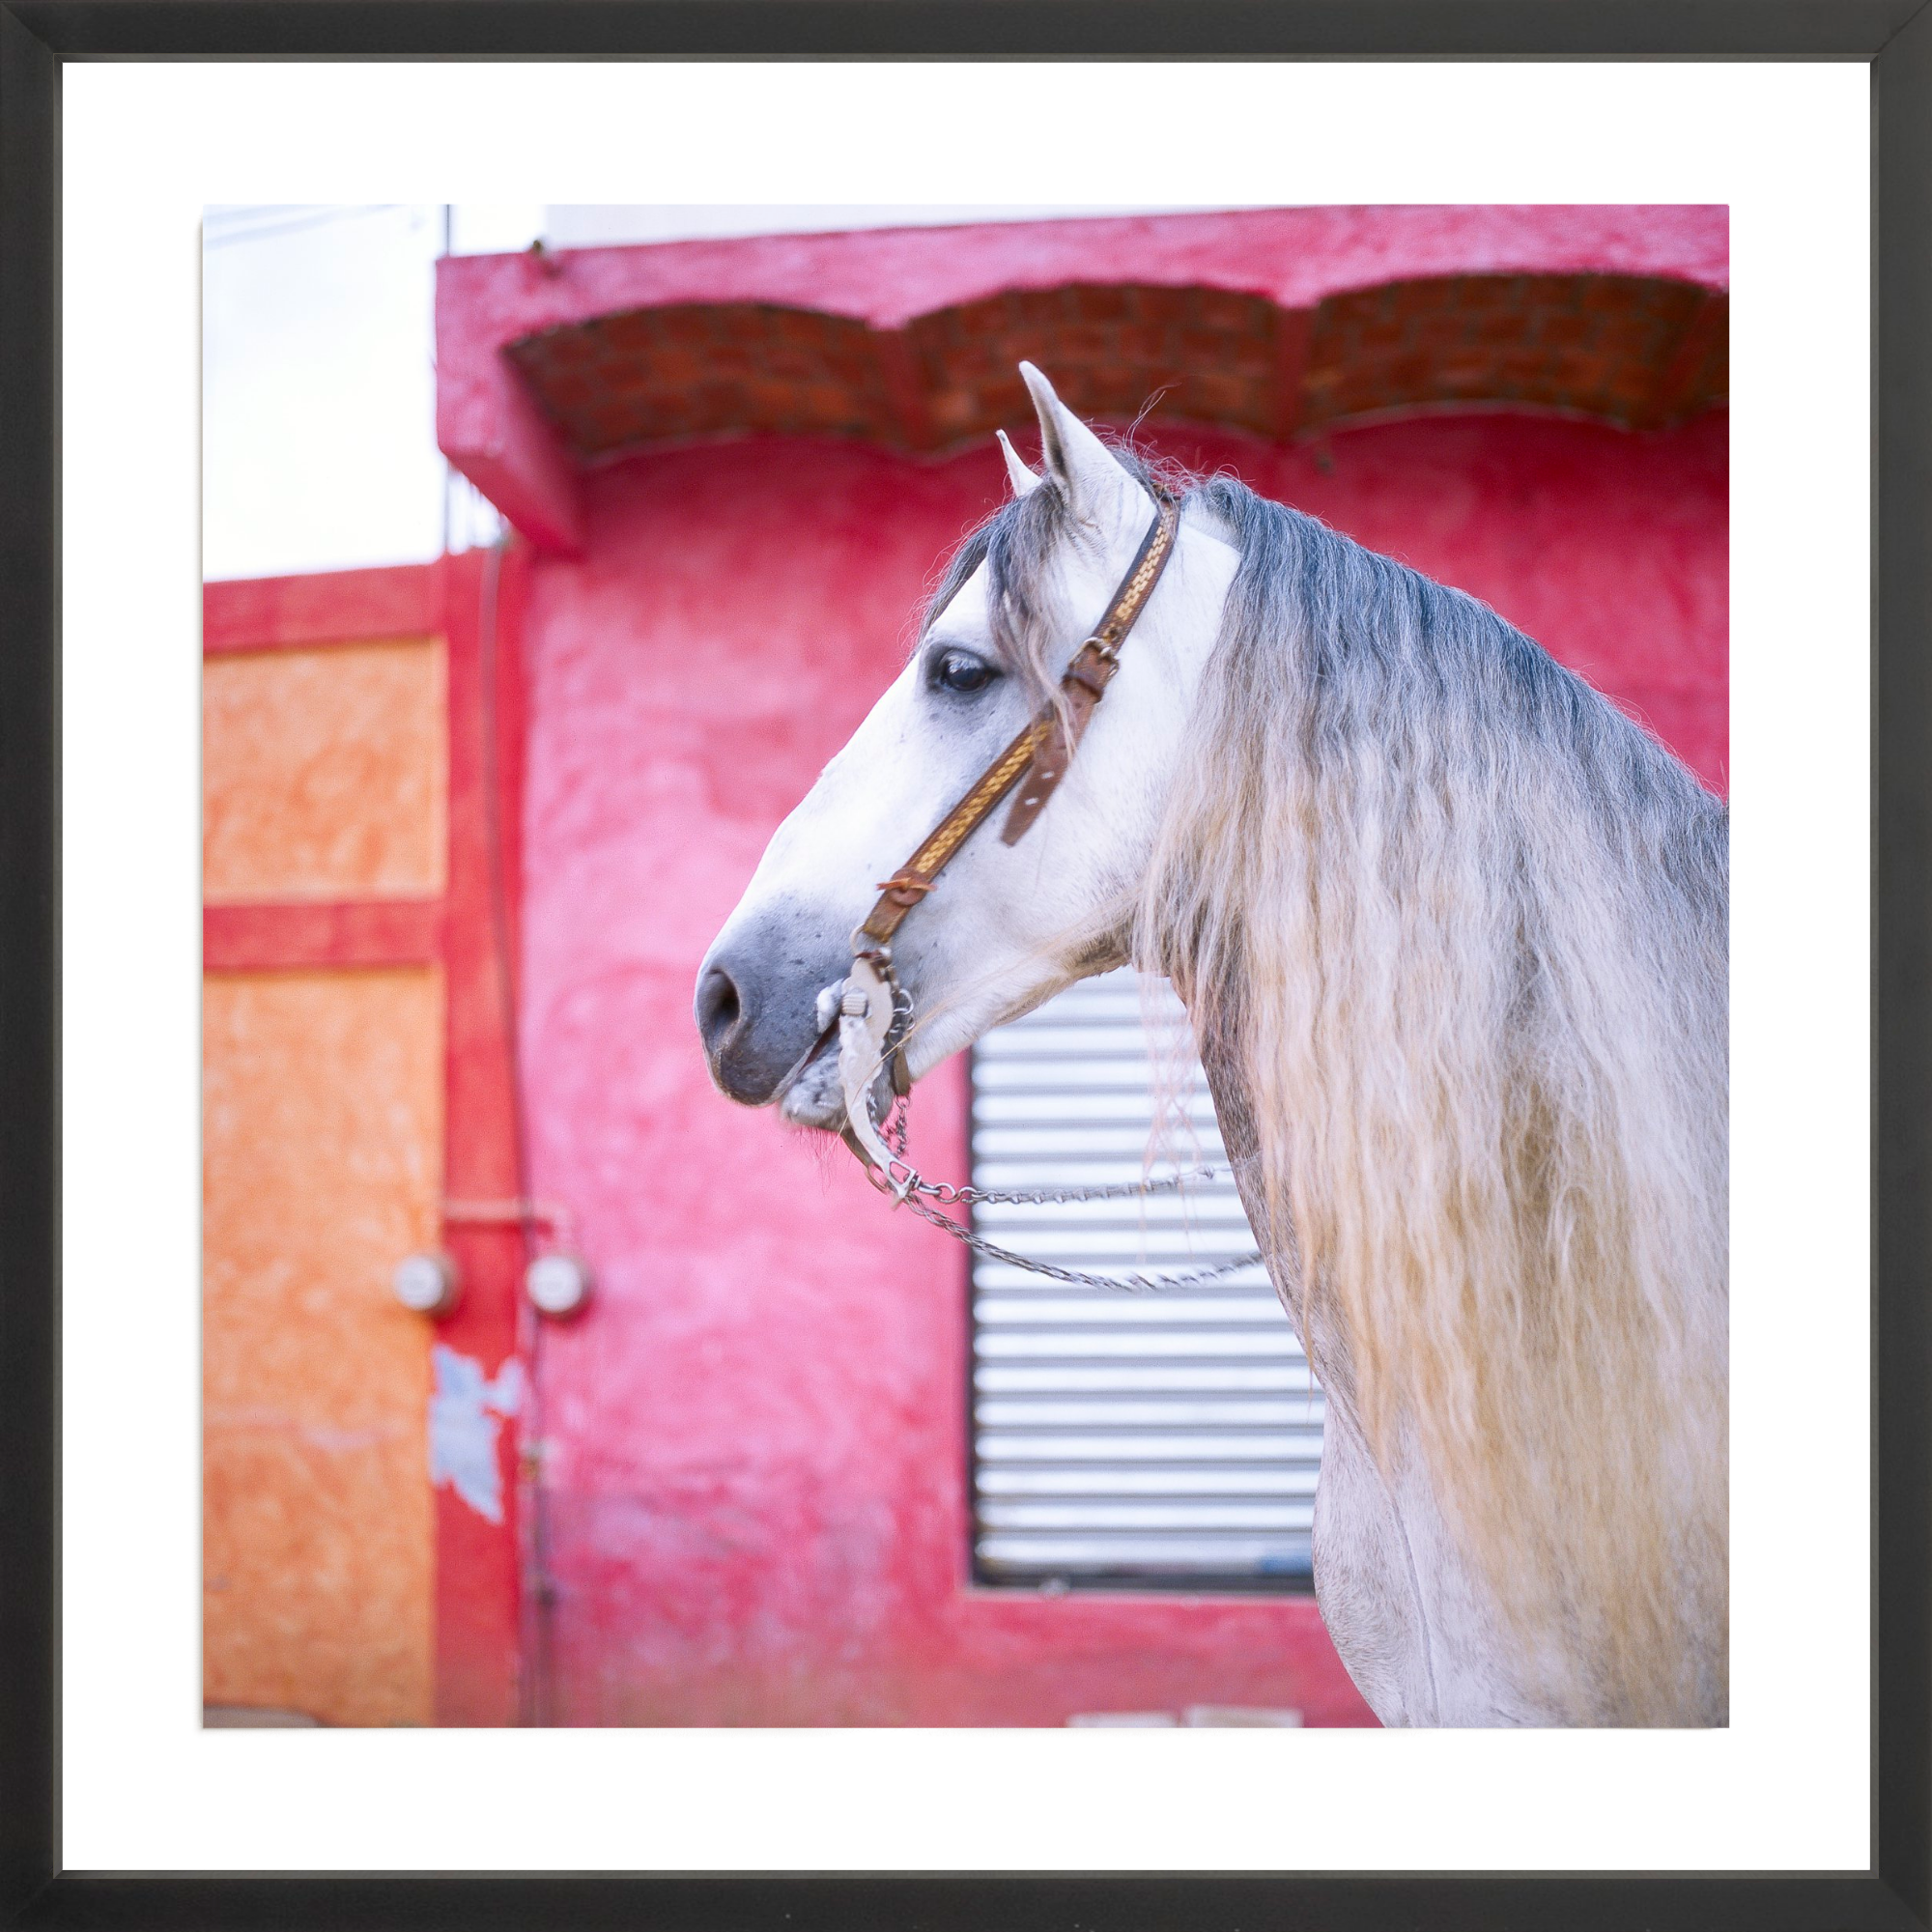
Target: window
1163	1438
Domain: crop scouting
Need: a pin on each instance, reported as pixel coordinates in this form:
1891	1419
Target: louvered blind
1166	1438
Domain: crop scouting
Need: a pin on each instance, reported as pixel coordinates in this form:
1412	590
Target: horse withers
1452	935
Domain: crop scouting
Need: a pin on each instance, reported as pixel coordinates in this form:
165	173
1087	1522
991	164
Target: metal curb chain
1132	1284
948	1195
893	1132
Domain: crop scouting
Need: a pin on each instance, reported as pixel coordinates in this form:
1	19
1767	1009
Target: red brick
1082	341
687	325
1170	308
1223	308
1482	293
632	334
1632	335
569	347
1144	341
964	367
992	317
1605	295
1094	302
799	327
1566	329
1197	345
951	411
1504	328
1215	393
571	391
1627	385
823	402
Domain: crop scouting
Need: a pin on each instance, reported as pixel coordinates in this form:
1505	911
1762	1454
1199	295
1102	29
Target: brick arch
1639	351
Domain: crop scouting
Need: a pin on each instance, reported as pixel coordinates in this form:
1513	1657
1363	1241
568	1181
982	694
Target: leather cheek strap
1081	691
1087	678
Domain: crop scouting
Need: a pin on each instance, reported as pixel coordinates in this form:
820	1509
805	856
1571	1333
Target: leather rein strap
1042	751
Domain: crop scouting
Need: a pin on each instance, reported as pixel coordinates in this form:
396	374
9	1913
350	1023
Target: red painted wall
755	1468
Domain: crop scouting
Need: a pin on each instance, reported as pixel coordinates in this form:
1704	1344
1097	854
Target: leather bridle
873	1011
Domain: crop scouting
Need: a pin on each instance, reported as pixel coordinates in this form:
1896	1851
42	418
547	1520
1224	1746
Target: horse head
1007	926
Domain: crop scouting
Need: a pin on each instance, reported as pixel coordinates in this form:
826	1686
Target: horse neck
1443	1655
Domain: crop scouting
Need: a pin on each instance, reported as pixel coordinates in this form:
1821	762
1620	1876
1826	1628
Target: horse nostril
718	1007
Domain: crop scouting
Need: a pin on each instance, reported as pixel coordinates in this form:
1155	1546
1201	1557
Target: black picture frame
1894	38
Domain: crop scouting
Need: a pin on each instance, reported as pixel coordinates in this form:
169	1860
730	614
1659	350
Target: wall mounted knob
427	1284
557	1284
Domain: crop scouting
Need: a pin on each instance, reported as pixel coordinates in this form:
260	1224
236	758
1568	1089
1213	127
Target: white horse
1452	935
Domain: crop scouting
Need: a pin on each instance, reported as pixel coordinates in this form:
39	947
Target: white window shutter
1119	1438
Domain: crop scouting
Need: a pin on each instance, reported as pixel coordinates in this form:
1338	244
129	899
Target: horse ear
1096	489
1023	480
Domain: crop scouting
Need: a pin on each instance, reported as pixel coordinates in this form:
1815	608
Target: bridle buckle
907	887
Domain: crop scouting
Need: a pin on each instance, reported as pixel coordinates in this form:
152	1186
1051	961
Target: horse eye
961	670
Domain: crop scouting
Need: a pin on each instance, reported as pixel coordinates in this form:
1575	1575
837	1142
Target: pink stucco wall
757	1470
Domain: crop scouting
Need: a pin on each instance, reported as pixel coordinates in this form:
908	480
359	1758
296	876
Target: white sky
317	365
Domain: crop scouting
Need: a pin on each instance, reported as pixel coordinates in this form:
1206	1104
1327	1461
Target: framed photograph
898	1060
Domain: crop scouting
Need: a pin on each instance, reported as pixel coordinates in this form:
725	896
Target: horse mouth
814	1097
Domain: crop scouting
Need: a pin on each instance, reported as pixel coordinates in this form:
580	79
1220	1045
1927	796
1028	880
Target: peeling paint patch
466	1417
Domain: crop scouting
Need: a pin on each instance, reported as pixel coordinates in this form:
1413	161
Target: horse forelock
1461	927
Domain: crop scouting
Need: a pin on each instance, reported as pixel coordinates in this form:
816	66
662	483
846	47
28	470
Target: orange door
323	1077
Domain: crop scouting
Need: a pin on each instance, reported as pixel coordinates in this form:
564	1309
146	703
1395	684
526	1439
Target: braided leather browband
1042	751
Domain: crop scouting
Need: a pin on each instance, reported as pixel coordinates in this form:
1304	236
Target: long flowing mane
1457	927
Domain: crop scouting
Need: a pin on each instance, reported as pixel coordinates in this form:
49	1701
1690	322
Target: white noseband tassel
865	1018
826	1009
